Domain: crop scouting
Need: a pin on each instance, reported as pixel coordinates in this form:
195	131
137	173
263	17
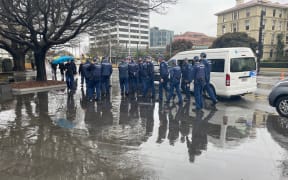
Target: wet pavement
55	135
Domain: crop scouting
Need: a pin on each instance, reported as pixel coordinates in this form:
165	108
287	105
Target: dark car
278	97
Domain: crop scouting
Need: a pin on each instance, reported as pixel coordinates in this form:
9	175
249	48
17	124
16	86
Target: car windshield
242	64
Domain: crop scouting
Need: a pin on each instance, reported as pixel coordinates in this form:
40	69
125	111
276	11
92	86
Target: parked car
278	97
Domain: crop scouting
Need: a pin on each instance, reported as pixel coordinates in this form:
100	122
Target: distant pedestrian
62	70
54	70
70	71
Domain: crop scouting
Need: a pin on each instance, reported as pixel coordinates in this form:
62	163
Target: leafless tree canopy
41	24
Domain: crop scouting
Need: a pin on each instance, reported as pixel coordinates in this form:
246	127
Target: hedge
274	64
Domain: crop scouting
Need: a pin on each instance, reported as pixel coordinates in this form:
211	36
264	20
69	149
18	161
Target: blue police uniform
94	76
148	78
199	76
164	75
187	71
133	70
84	72
123	77
140	78
175	77
208	87
106	74
69	75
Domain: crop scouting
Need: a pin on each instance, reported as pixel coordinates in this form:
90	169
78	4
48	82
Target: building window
234	27
280	13
223	29
287	39
274	12
271	53
235	15
247	12
280	26
223	19
247	25
272	39
273	25
287	26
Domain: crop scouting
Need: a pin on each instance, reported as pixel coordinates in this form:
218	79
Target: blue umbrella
62	59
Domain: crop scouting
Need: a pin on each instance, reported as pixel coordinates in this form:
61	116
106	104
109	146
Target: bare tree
41	24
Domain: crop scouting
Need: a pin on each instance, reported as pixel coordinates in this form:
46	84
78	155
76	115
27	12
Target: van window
242	64
217	65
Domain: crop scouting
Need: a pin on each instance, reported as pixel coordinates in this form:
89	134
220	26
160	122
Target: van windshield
242	64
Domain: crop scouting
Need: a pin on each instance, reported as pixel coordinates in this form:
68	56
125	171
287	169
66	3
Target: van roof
240	49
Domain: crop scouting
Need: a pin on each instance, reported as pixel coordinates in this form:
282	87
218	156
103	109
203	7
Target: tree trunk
40	65
19	61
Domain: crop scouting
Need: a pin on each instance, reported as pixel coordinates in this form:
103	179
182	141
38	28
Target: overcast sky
193	15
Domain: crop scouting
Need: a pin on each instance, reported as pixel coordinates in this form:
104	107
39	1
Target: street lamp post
260	41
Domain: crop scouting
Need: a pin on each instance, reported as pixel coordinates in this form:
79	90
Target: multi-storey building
124	36
199	40
246	17
160	37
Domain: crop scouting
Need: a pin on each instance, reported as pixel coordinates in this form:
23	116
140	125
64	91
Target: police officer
175	77
148	77
187	71
106	74
140	75
94	76
164	78
123	77
133	70
199	77
208	87
70	71
84	71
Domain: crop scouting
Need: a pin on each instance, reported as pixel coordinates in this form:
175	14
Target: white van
233	70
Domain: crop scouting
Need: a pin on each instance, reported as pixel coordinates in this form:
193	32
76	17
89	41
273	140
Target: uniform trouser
106	84
210	92
186	89
124	85
133	84
82	78
54	74
148	84
163	85
92	85
70	81
176	86
198	93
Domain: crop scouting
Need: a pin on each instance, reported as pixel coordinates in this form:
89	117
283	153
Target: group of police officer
184	75
138	78
96	75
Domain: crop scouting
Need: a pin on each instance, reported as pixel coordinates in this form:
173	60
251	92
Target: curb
38	89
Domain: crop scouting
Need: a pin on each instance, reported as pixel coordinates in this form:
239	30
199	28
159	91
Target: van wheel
282	106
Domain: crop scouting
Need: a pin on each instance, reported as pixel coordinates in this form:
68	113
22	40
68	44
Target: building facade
246	17
199	40
160	37
123	37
